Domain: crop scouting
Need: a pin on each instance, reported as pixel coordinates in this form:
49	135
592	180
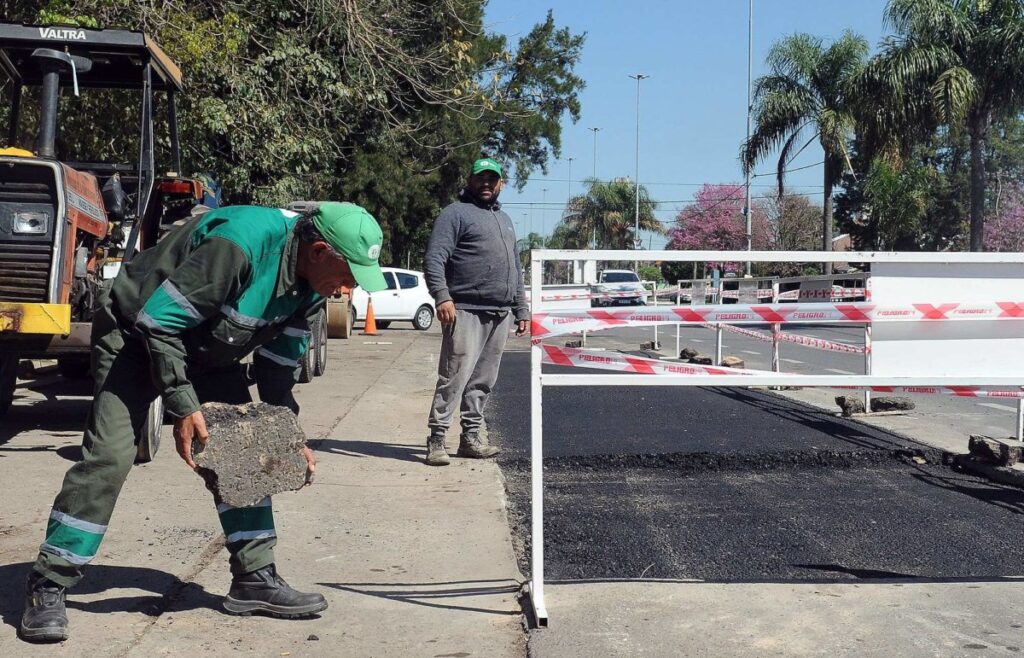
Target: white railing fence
948	323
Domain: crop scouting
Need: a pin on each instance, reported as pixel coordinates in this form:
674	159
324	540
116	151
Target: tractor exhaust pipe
52	62
49	97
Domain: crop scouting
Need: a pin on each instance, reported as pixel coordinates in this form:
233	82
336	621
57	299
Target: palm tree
807	96
525	244
605	216
959	61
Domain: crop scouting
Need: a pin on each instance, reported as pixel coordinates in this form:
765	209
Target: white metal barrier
980	347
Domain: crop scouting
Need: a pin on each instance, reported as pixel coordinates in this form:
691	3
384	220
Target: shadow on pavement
169	592
372	449
427	594
51	414
1005	497
859	575
848	431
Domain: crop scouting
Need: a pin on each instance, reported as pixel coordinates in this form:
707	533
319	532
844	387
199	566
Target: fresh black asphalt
736	486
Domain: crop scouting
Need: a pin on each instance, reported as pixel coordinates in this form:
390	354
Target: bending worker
175	323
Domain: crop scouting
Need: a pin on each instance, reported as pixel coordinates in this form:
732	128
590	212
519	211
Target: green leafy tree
383	102
959	62
807	96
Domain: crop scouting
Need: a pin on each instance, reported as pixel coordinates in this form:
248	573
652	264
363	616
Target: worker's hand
187	429
310	464
446	312
522	327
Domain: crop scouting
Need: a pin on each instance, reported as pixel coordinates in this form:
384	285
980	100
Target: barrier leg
679	302
540	613
718	344
867	366
775	348
1020	419
583	339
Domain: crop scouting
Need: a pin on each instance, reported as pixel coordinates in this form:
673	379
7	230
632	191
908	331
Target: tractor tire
74	367
8	381
149	435
320	331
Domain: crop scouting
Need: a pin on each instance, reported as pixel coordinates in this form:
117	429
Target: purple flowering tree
714	222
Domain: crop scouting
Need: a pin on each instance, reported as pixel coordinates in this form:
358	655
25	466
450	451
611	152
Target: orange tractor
67	221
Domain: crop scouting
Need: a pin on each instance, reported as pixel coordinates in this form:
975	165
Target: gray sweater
472	259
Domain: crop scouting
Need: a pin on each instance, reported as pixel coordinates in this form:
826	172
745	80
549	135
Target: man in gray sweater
473	273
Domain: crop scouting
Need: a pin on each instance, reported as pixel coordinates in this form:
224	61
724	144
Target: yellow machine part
20	318
16	152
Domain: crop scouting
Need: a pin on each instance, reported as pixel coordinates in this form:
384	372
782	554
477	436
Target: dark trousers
122	395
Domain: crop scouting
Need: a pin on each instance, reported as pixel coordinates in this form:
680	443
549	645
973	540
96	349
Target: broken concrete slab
574	343
1011	475
650	345
702	360
850	405
687	353
254	451
885	403
1003	452
732	362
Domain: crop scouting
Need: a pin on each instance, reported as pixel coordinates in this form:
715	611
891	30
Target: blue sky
692	108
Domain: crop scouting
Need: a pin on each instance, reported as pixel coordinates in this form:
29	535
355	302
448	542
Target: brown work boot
436	454
472	445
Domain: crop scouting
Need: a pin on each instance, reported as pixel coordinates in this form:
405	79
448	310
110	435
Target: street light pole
570	177
595	131
636	236
750	66
543	215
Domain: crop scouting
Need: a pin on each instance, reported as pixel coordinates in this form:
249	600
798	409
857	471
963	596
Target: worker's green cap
487	164
355	234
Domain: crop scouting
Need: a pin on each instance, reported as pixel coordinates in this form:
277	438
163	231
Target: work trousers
468	367
122	395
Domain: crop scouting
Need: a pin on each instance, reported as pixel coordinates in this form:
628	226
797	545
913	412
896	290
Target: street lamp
750	66
595	131
636	236
570	176
543	213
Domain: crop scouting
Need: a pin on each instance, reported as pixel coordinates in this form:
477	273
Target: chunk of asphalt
892	404
850	405
254	451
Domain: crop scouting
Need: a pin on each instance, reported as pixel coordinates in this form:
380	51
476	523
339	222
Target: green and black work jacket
214	290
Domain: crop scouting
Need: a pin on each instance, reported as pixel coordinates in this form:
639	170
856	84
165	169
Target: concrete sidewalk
415	561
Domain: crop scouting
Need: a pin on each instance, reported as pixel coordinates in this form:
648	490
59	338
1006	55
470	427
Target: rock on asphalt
254	451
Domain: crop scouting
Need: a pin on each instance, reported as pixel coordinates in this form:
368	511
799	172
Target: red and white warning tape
584	358
555	323
588	295
797	339
833	294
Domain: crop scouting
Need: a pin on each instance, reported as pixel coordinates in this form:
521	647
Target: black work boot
44	619
265	591
436	454
472	445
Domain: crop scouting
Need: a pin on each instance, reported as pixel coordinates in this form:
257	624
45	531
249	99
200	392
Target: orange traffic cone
370	325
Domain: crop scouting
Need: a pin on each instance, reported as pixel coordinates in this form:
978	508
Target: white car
618	287
405	300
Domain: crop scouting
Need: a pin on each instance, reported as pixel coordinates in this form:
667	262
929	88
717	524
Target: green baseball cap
355	234
487	164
